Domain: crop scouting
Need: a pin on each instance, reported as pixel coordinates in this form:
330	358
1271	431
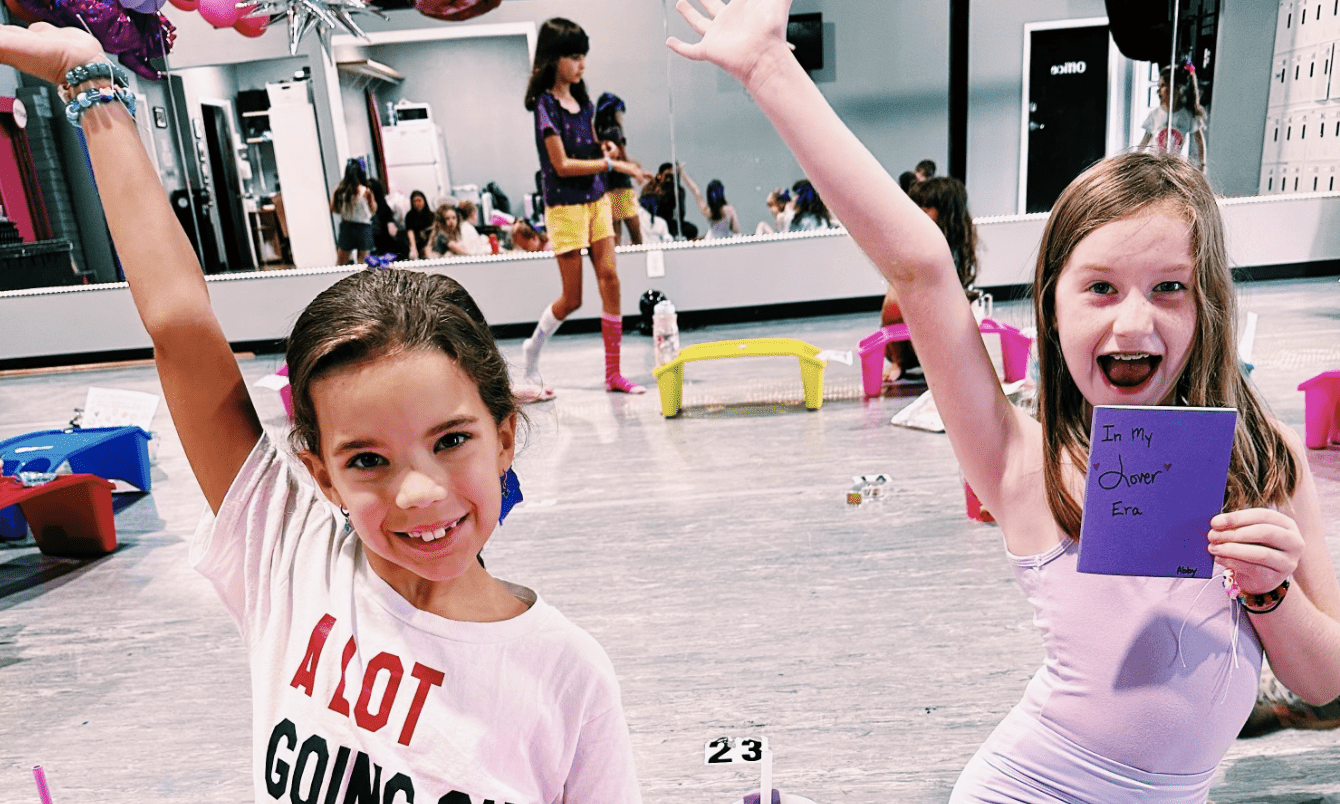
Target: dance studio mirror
884	68
426	105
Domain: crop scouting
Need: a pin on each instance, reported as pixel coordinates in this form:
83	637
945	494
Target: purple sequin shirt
577	131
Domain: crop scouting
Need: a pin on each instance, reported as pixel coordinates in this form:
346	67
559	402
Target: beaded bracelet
84	101
95	70
1270	600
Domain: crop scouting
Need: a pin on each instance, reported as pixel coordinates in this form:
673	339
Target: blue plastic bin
112	453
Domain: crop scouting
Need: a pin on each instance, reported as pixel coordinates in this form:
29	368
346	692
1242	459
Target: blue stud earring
511	493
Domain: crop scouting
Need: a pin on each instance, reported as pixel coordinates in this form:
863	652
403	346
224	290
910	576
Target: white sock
530	350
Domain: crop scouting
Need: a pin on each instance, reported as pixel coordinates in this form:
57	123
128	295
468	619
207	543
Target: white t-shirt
1184	124
474	242
354	688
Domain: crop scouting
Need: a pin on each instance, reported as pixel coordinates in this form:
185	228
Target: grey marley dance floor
714	556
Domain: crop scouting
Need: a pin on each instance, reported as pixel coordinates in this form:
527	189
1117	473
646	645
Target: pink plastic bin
1321	401
285	393
974	505
1013	352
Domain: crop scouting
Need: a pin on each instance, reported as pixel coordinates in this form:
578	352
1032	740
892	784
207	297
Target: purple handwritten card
1156	477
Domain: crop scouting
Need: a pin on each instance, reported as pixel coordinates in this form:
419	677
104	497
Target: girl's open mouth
1129	369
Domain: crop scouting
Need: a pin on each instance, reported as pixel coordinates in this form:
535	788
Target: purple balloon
143	6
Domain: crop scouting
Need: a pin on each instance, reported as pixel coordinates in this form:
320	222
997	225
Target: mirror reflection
435	107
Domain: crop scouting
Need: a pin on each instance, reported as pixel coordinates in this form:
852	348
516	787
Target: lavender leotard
1115	714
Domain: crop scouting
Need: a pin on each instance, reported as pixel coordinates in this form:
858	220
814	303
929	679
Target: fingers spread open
693	16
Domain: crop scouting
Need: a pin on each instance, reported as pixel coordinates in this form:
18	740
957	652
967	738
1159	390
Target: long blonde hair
1263	470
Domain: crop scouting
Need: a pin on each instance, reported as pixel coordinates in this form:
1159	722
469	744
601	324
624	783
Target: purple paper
1156	477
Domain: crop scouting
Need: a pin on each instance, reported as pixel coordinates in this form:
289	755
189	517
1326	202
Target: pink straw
41	778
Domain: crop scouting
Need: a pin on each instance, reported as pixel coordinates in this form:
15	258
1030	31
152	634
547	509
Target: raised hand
736	36
47	52
1260	545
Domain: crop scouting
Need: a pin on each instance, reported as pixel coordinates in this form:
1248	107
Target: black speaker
1142	29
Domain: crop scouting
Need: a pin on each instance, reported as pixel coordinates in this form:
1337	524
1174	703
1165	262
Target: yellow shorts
623	203
577	226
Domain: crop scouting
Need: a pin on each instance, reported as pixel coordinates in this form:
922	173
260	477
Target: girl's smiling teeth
431	534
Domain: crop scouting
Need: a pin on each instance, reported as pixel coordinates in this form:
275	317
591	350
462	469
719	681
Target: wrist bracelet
97	69
1264	603
84	101
609	166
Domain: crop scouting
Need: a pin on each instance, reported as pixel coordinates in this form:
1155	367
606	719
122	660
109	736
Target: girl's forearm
161	267
1303	645
893	232
579	167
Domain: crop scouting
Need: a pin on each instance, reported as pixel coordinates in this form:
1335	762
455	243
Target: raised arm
693	188
747	39
201	380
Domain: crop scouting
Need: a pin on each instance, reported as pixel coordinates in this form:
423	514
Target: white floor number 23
728	751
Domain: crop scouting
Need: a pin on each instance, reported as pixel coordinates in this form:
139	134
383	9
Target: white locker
1279	79
1318	72
1330	21
1270	180
1291	151
1334	86
1308	21
1284	28
1308	136
1297	85
1322	147
1274	144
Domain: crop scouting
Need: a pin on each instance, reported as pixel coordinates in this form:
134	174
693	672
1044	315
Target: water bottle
665	332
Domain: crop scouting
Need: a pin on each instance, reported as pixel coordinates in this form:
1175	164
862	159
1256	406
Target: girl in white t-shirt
1188	116
387	663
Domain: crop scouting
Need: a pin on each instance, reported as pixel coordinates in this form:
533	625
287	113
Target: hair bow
378	261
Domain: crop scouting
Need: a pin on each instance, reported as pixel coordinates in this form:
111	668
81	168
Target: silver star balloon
321	15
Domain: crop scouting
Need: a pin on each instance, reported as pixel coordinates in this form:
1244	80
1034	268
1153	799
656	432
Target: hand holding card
1262	547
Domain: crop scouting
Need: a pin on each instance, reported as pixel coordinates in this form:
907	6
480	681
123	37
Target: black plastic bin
43	264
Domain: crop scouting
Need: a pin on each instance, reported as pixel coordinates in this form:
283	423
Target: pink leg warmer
611	329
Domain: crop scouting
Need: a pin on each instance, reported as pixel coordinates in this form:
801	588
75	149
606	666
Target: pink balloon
220	13
186	5
252	26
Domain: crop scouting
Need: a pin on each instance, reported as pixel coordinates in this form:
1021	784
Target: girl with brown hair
577	211
1146	680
